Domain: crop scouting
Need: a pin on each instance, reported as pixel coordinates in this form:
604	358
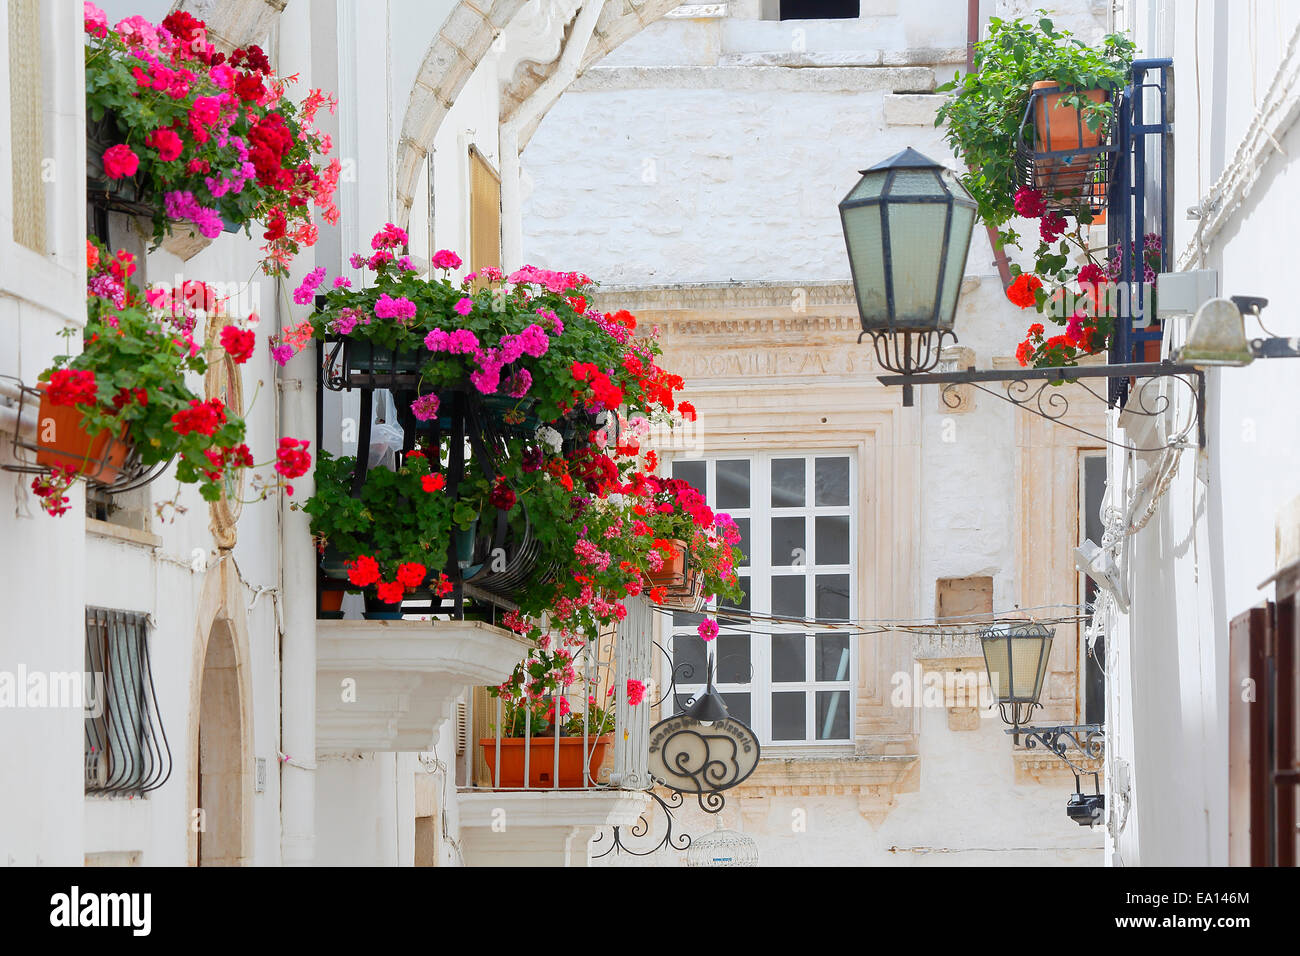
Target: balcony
388	685
538	779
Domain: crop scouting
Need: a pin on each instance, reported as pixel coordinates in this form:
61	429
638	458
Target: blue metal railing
1138	206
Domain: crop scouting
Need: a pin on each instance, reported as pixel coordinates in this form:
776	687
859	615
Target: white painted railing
603	737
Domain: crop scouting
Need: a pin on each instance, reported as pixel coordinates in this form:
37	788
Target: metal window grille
126	748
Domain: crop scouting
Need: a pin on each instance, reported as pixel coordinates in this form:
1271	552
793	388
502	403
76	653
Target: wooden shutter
484	213
1286	718
1248	732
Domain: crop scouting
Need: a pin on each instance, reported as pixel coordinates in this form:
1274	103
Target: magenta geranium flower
120	161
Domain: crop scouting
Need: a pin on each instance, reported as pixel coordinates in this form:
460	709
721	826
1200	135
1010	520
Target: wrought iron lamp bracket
1088	739
1035	391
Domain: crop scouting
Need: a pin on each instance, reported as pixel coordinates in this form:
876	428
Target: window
1092	488
126	749
793	683
810	9
26	119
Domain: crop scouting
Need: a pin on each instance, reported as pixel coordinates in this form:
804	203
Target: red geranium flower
1021	291
363	572
291	458
502	497
71	387
411	574
434	482
202	417
390	592
238	343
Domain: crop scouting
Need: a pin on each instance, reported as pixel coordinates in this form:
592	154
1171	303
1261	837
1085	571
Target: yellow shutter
484	213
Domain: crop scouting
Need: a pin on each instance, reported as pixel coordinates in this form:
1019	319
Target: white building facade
697	169
1220	523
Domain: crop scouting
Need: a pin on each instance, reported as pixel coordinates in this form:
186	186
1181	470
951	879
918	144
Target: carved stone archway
461	44
220	757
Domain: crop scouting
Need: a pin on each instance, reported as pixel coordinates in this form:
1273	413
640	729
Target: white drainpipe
521	124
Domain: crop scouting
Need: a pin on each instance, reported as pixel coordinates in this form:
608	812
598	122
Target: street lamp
907	226
1015	654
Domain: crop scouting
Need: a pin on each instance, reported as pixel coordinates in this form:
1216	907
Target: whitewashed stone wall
709	151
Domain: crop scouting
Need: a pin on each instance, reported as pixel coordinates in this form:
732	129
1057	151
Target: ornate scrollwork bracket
1089	740
1037	391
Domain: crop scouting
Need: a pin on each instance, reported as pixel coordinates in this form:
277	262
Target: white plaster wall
1201	560
42	568
966	812
641	177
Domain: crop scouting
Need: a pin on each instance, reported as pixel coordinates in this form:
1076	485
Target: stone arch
458	48
234	23
220	754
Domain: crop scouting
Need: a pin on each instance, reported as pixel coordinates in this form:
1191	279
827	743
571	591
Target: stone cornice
1044	767
874	780
715	296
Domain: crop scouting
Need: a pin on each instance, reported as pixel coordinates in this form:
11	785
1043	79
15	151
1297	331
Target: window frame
759	570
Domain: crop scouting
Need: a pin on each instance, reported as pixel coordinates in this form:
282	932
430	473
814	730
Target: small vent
462	727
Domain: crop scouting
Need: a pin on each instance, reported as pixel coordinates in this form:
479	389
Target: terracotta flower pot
96	458
673	572
1057	129
331	601
1063	128
541	761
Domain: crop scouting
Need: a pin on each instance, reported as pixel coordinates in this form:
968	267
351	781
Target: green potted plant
184	135
126	389
530	725
389	542
983	118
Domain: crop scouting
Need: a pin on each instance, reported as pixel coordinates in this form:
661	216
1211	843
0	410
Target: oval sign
689	757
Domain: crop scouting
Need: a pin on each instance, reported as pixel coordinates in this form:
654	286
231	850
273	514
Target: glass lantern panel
958	246
868	187
915	243
997	661
863	237
915	182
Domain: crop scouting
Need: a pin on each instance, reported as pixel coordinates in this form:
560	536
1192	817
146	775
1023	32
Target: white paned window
791	681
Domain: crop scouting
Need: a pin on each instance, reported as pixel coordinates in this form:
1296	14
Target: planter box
1070	164
541	761
100	458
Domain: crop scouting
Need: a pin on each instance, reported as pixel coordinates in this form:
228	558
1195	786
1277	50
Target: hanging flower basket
100	458
574	772
366	365
1059	155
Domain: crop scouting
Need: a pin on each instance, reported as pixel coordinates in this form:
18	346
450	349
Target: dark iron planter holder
134	474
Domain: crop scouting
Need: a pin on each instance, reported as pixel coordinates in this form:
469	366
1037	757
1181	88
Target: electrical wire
736	619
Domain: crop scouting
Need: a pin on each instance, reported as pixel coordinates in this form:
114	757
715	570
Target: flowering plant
529	352
984	115
130	377
207	138
530	340
395	536
518	713
1083	299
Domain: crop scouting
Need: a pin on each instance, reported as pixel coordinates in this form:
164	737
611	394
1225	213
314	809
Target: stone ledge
875	781
106	529
1044	767
406	677
752	79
